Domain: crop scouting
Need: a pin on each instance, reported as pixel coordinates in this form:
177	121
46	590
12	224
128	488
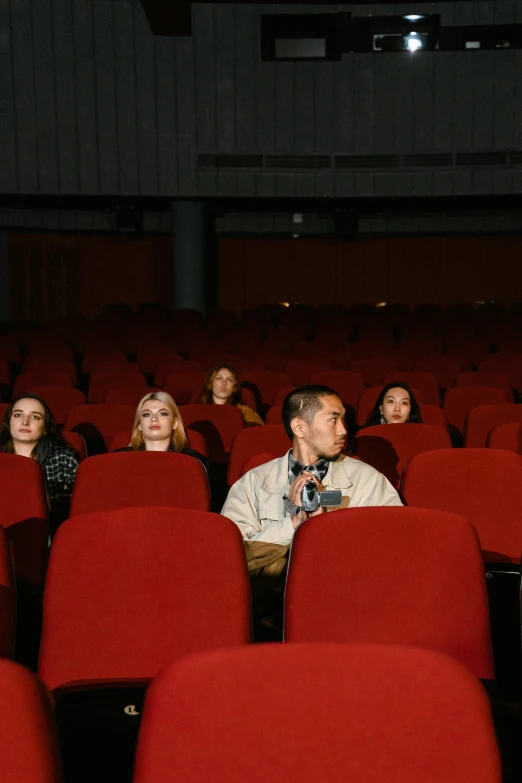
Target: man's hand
295	496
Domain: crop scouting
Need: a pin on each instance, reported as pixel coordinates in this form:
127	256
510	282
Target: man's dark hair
304	401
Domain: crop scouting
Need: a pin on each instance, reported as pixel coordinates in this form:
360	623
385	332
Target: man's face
326	435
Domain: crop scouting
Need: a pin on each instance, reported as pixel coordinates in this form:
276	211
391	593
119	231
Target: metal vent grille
298	162
429	159
480	159
220	161
367	161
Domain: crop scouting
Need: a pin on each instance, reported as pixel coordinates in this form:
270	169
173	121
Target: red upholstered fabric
139	478
388	447
127	592
218	424
255	440
433	414
24	515
184	385
368	399
265	384
426	382
368	575
273	415
196	441
28	380
374	369
444	369
329	713
127	395
35	363
485	379
7	597
75	440
348	385
93	359
510	366
60	399
481	420
28	743
459	402
128	376
301	370
172	365
506	436
103	420
484	485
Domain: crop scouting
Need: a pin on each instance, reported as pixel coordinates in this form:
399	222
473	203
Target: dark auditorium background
383	175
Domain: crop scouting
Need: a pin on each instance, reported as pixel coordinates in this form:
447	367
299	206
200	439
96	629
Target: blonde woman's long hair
179	438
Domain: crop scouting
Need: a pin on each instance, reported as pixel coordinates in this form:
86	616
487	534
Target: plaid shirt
60	471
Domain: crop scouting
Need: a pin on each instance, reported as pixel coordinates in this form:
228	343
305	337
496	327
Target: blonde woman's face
156	421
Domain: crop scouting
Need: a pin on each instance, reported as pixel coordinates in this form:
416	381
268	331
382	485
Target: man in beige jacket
266	502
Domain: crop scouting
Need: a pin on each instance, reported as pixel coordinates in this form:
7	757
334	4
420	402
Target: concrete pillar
190	235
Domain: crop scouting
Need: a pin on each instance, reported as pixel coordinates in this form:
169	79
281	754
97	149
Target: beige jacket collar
336	477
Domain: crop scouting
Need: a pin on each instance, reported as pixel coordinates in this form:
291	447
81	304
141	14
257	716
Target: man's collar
276	481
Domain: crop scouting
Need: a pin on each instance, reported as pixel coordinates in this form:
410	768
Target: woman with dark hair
396	404
29	430
222	388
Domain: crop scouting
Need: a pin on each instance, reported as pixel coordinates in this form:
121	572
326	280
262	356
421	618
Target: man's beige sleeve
241	506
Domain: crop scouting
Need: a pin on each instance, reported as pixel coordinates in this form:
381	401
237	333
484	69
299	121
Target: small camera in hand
311	498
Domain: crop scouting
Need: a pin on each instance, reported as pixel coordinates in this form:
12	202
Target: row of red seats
345	710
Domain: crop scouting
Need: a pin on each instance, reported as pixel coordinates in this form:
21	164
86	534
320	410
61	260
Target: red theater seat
60	399
28	380
24	516
484	485
459	402
506	436
333	594
388	447
348	385
255	440
140	478
426	382
218	424
344	713
28	744
98	424
482	420
485	379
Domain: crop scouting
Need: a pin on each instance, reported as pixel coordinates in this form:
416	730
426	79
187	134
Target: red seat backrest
98	424
139	478
129	591
60	399
388	447
28	380
29	747
335	714
506	436
485	485
481	420
256	440
218	424
348	385
489	379
459	402
328	600
426	382
24	515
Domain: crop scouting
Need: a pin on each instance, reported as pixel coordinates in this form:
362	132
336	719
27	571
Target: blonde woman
158	426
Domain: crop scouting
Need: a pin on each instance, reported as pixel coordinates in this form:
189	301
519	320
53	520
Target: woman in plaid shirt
29	430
